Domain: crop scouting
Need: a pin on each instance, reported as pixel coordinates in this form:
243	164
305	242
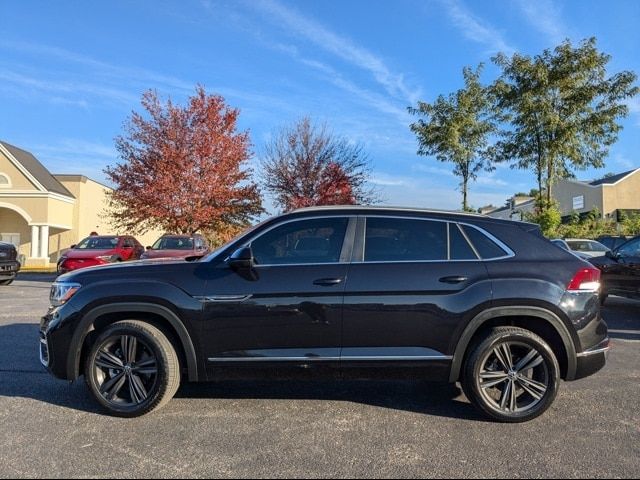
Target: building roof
35	168
613	178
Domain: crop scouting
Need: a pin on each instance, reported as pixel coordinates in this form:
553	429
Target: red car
178	246
100	250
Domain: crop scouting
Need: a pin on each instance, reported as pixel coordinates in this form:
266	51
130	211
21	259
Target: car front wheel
132	369
512	375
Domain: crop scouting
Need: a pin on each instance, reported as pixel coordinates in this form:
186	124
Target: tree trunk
549	180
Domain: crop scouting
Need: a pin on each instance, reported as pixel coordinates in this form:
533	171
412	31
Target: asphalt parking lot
49	428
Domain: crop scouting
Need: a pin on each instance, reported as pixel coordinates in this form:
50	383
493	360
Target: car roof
391	210
172	235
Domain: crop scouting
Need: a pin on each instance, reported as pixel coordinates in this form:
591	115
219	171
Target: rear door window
404	240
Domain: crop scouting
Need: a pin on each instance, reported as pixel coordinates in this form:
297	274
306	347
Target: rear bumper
592	360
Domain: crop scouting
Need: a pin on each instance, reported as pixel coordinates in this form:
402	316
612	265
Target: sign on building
578	202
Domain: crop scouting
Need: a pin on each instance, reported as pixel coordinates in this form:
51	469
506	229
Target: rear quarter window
486	248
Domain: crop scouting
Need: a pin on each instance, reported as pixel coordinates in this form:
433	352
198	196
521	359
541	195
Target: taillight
587	279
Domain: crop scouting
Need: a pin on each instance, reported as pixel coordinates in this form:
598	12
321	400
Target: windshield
98	243
173	243
220	249
587	246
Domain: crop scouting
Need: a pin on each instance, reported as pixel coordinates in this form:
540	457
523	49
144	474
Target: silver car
590	248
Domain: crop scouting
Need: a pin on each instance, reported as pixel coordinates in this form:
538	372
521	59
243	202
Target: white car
565	246
591	248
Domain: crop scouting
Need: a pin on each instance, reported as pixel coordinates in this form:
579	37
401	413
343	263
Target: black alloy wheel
132	369
512	375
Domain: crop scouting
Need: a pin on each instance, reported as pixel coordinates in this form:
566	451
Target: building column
35	241
44	241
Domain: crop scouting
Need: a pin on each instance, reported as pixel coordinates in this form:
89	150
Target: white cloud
73	89
545	17
339	46
475	29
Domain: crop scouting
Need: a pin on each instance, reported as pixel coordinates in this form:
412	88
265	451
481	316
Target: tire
516	394
132	369
6	282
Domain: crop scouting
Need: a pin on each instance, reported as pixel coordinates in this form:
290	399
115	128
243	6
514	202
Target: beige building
44	214
611	195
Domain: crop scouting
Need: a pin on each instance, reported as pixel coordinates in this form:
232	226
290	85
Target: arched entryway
15	229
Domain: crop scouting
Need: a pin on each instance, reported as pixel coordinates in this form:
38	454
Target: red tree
183	169
306	166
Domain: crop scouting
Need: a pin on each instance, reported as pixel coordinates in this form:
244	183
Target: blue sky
71	72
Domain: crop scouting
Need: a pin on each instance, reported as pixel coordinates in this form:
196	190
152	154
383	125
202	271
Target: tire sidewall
474	367
160	386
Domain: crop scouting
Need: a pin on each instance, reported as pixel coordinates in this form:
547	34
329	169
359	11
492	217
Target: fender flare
86	326
497	312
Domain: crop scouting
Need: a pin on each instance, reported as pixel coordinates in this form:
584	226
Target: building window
5	181
578	202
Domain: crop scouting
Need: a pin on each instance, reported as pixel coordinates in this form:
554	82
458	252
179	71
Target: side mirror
73	246
242	262
149	248
613	255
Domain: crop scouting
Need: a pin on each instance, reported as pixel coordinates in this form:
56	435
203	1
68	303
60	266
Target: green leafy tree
560	111
456	129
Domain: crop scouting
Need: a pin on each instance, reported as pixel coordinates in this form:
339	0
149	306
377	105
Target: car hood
77	253
140	268
168	254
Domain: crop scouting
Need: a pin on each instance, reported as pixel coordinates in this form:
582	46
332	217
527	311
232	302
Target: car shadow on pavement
441	400
22	375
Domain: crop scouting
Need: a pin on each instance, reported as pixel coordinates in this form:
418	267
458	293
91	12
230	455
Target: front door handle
454	279
327	282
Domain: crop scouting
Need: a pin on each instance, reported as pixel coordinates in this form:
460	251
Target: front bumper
56	340
9	269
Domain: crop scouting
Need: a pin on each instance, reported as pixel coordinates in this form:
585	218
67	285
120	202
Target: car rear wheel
512	375
132	369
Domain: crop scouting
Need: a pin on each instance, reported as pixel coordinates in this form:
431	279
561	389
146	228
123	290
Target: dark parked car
613	241
100	250
367	292
9	265
178	246
621	270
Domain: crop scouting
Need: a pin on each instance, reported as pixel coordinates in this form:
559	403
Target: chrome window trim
508	252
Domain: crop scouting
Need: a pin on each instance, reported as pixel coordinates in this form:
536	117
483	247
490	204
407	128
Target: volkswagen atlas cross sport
363	291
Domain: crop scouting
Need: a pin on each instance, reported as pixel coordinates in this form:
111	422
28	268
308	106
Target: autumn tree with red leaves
183	169
305	165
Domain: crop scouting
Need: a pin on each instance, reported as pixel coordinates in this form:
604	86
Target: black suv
9	265
366	292
620	270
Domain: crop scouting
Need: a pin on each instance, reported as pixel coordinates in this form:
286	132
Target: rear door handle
454	279
327	282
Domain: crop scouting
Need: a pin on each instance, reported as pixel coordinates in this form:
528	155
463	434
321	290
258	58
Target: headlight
108	258
61	292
